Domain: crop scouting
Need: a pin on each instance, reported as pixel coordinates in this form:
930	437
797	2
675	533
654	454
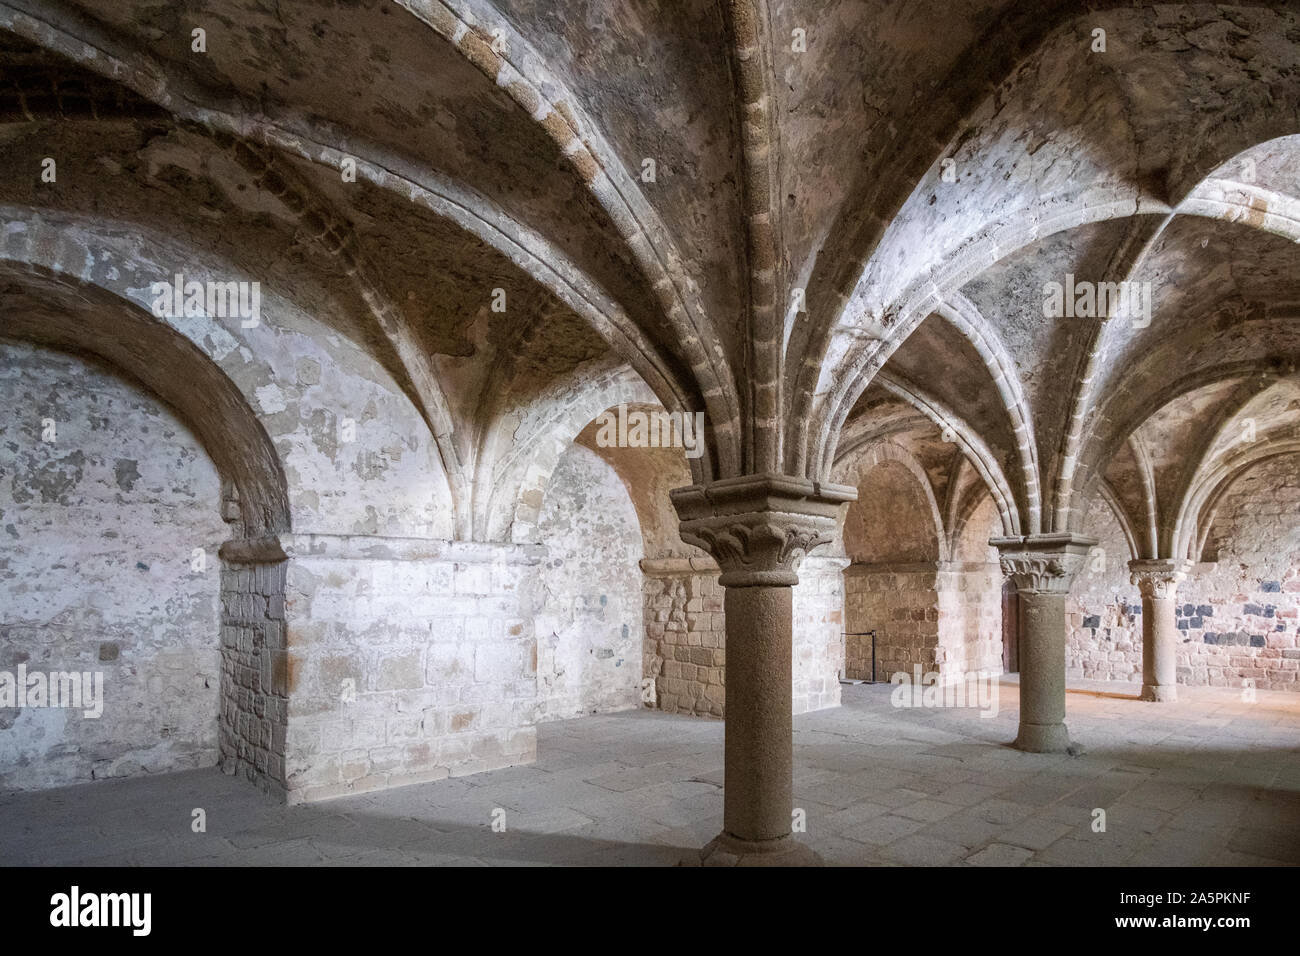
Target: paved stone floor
1208	780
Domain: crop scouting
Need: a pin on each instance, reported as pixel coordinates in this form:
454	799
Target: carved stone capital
1043	563
1158	580
758	527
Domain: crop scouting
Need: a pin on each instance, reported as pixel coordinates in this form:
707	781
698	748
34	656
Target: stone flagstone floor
1209	780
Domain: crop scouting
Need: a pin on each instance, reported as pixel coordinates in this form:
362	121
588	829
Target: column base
1043	739
1162	693
726	850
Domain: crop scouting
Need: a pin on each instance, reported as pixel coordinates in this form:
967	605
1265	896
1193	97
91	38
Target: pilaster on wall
254	712
818	632
970	618
405	660
685	635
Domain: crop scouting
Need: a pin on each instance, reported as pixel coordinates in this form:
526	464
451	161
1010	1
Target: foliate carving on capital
1045	564
1041	573
1157	580
759	527
764	543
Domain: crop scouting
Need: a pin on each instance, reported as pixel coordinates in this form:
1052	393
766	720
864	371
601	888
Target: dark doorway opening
1010	628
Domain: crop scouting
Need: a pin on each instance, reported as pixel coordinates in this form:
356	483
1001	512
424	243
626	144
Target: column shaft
758	528
1159	637
1042	567
1158	581
759	782
1042	673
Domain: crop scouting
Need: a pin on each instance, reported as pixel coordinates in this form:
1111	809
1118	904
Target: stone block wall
858	661
110	520
254	666
1103	636
900	603
1237	615
1104	640
970	618
686	635
590	635
945	617
1233	629
818	633
409	660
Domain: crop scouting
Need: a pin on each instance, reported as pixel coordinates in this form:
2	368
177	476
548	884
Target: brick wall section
254	701
436	639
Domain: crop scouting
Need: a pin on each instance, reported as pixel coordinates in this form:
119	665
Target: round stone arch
523	475
1199	510
639	562
679	583
892	583
589	606
296	377
902	464
112	522
50	307
61	313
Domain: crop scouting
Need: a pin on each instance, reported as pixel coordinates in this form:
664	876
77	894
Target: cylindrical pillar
1042	673
1042	567
1158	583
1159	637
758	528
759	782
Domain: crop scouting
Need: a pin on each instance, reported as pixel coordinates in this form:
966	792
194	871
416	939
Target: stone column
1158	581
1042	567
758	527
